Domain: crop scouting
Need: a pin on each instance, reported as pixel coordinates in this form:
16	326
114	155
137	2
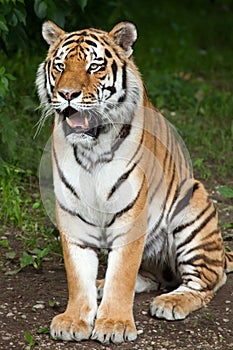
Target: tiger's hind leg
199	259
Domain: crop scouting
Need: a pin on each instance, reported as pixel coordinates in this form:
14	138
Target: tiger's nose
69	94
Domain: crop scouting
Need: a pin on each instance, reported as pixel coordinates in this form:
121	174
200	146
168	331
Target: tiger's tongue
75	121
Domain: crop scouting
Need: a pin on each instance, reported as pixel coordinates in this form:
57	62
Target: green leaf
35	251
43	253
40	8
12	272
10	76
226	191
43	330
52	303
29	338
36	205
3	26
228	249
21	16
26	260
10	255
2	70
82	4
4	243
230	225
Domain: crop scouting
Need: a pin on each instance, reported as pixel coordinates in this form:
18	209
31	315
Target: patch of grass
11	190
21	208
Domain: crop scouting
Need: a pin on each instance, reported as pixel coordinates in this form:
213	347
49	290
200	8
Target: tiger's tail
229	262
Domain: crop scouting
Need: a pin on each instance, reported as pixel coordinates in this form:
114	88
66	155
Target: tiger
123	182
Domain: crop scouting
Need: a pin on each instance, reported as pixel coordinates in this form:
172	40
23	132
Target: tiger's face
88	78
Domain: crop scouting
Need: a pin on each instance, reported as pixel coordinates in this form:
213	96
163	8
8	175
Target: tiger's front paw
115	330
68	328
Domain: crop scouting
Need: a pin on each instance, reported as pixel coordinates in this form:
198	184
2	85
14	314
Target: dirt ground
30	299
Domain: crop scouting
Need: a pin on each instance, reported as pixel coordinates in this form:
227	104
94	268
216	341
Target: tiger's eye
93	66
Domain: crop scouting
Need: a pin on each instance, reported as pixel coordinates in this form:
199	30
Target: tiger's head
89	79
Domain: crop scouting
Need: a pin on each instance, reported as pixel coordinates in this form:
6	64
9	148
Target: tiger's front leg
76	322
115	319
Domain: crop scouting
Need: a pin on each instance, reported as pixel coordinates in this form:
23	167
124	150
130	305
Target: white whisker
47	111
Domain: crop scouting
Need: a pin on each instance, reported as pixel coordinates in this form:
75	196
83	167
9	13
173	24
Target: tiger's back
122	181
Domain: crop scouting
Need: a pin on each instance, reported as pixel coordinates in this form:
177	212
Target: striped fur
123	181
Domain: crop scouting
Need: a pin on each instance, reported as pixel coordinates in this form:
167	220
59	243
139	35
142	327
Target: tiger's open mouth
80	122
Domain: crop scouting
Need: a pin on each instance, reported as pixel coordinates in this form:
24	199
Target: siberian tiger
123	182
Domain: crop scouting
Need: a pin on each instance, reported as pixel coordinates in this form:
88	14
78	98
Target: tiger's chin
81	139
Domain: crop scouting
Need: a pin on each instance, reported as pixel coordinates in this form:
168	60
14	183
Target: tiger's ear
125	34
51	32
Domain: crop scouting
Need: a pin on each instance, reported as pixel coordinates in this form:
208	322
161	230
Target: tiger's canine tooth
86	122
69	122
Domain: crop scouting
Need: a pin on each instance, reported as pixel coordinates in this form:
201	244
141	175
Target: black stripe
94	30
138	148
49	98
122	98
78	160
86	245
71	35
83	33
208	247
73	213
114	71
176	195
44	73
113	48
72	41
212	233
108	53
164	167
94	36
120	138
81	49
66	43
110	242
62	177
198	229
202	266
185	200
182	227
165	201
124	77
71	52
121	179
112	90
91	43
128	207
48	68
204	261
194	274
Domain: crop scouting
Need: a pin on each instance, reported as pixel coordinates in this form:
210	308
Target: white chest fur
93	198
